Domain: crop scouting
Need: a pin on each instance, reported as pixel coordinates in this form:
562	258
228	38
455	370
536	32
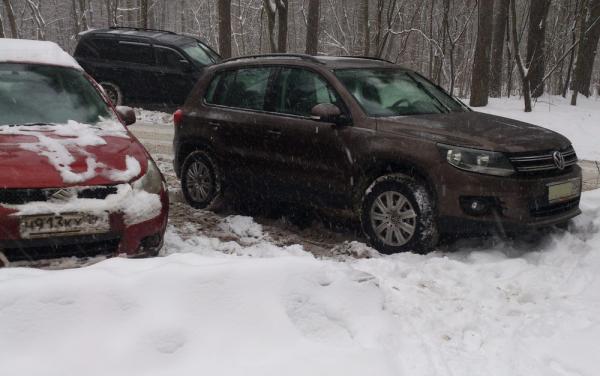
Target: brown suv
376	139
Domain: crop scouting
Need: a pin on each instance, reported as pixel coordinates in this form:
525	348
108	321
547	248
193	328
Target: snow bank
34	51
505	310
578	123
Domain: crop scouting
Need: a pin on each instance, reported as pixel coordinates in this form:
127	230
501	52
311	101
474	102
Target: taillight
178	117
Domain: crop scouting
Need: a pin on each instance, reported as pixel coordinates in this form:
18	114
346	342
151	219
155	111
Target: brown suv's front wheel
398	215
200	179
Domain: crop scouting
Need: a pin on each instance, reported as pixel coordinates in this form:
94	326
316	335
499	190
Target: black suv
144	66
381	141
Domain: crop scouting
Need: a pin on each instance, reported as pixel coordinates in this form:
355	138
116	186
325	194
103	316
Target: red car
73	179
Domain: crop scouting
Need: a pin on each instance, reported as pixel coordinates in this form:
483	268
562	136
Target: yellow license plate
564	190
43	226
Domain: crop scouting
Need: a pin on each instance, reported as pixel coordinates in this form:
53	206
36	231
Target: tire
200	180
398	215
113	92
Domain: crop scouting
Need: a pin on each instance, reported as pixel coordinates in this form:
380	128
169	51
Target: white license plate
565	190
41	226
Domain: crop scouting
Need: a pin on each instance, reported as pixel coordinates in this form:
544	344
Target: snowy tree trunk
224	13
536	44
500	22
12	22
312	27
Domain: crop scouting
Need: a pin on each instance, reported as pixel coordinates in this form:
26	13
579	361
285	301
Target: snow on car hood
57	155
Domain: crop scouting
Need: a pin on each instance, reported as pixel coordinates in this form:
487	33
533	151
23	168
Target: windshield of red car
31	93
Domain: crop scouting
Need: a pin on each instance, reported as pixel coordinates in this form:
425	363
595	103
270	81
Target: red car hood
22	165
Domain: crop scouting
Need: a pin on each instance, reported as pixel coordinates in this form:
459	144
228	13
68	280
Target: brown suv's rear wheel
200	179
398	215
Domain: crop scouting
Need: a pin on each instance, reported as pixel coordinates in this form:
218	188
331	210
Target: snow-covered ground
581	123
213	307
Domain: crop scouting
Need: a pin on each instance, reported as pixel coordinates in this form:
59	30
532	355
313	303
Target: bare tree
481	63
500	22
361	45
587	49
224	13
10	15
312	27
1	27
517	56
536	39
38	19
282	33
144	13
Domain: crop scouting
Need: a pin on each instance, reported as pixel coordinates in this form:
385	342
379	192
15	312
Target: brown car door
310	157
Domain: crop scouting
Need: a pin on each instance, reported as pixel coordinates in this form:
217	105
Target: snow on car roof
36	52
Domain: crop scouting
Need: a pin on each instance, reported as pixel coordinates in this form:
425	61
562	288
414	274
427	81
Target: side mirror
126	114
329	113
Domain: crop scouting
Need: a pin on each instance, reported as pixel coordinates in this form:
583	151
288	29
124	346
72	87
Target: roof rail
139	29
279	55
370	58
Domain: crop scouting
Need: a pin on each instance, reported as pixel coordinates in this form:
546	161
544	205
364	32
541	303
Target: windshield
44	94
386	92
201	54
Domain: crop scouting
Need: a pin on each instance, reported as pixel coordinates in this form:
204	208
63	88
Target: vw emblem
559	160
62	195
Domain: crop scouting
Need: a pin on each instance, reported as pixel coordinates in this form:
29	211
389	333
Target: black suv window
297	91
138	53
103	48
242	88
168	57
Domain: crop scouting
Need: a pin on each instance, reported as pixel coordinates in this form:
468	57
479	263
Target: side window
167	57
105	48
138	53
85	50
299	90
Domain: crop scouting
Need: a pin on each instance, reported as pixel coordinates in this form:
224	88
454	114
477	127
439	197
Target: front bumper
132	240
521	201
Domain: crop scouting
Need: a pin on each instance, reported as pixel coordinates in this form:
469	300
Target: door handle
214	124
274	132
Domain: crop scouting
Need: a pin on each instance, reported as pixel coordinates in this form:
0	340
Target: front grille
548	210
542	161
55	248
23	196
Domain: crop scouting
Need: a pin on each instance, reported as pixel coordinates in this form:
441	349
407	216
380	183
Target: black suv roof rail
370	58
280	55
139	29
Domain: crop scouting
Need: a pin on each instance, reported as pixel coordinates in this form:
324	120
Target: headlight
481	161
151	182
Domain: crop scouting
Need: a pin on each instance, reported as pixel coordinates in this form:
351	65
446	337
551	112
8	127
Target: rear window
201	54
42	94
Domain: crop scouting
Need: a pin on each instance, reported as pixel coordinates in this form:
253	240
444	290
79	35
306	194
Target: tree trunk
12	22
312	27
577	74
517	55
589	44
83	11
361	45
224	14
536	45
38	19
501	19
1	27
271	12
144	13
481	62
282	31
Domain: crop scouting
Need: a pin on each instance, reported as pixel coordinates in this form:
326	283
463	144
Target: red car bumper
132	240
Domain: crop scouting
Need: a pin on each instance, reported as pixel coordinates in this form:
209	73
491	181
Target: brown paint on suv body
298	159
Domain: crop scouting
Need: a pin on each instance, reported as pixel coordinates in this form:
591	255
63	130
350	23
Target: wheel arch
185	149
